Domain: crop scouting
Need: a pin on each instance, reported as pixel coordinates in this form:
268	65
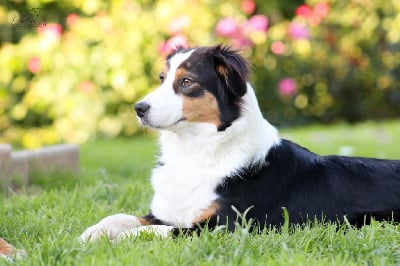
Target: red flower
278	47
314	15
304	11
248	6
34	65
71	19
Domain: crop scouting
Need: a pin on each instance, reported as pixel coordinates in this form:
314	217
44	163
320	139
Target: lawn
47	217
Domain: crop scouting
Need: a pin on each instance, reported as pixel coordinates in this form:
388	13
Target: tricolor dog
219	157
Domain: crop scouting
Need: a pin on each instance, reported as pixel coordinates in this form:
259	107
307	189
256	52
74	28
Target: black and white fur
219	156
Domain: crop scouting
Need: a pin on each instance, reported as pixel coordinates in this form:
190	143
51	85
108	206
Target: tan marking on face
5	248
180	73
207	213
203	108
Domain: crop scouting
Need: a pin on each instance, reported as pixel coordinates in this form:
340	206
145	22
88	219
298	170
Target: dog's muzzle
142	108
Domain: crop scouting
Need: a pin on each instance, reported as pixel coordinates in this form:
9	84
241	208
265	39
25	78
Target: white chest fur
198	158
185	184
182	192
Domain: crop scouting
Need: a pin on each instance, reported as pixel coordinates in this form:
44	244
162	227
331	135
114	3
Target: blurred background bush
71	70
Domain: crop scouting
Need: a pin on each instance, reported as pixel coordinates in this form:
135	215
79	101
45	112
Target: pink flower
72	19
34	65
53	30
278	47
241	42
240	35
172	43
227	27
298	30
321	10
86	87
256	23
248	6
287	87
178	24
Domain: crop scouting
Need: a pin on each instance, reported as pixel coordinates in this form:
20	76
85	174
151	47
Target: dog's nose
142	108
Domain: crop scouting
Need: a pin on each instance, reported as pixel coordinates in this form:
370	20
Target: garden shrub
78	76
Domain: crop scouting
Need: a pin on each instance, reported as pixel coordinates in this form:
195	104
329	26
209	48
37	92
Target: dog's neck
246	142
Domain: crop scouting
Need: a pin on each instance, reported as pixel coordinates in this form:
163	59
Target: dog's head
198	85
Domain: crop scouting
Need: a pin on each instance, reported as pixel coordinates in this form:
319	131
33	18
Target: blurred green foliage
78	76
347	69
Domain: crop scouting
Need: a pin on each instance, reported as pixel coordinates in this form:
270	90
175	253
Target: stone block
19	166
57	158
5	154
5	158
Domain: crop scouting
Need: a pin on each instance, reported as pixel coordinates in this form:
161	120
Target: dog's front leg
158	230
112	226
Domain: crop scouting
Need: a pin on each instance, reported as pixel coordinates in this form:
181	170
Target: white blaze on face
165	106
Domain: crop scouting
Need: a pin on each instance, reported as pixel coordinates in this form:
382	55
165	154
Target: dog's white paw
93	232
158	230
110	227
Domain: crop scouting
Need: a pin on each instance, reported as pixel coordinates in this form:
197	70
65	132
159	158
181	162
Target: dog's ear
232	69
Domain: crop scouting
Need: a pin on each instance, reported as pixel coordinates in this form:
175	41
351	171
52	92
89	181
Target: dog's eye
186	82
161	76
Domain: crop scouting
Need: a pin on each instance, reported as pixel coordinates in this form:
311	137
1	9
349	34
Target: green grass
47	217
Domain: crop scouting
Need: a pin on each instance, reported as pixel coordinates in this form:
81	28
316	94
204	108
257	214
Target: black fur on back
325	188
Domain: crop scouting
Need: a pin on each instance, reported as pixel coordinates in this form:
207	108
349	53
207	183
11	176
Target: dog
219	158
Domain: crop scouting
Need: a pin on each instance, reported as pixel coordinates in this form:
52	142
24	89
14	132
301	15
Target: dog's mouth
146	122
